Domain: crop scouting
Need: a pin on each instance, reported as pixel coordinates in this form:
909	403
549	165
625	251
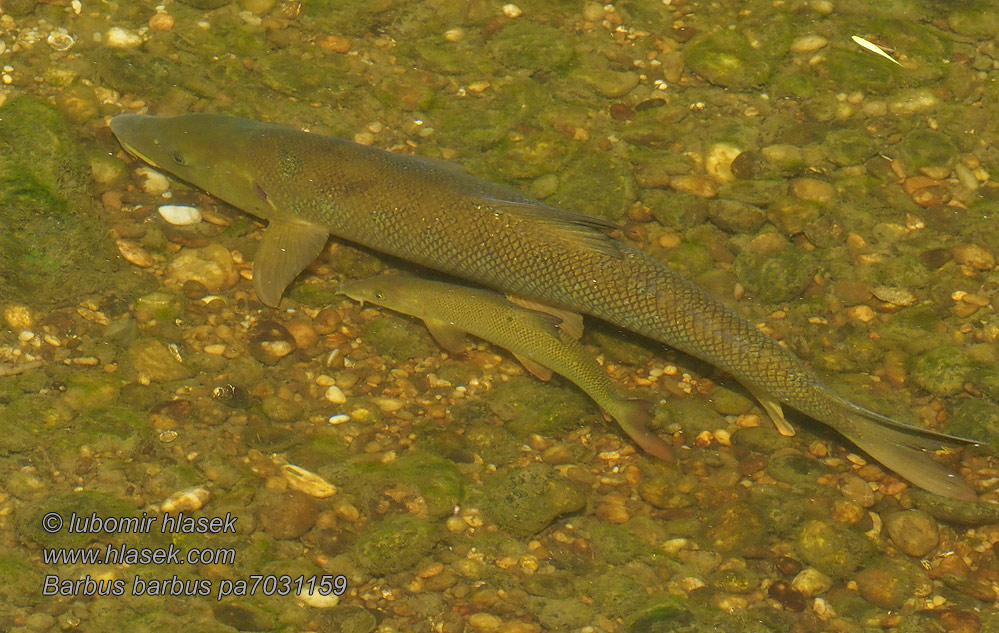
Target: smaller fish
542	341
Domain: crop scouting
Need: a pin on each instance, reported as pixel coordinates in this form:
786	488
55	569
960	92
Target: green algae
775	277
525	501
942	370
952	510
525	44
833	549
725	58
529	406
397	338
597	184
395	544
53	247
736	527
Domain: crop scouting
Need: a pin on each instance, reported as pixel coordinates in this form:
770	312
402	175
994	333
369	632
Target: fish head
388	291
213	152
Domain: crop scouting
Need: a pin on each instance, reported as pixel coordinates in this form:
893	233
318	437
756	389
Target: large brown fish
310	186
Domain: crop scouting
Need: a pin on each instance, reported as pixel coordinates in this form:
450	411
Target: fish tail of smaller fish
634	417
903	449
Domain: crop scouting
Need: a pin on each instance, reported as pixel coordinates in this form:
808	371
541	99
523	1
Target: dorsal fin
584	230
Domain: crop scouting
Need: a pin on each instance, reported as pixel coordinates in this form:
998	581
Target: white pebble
153	181
180	215
335	395
316	599
339	418
118	37
512	11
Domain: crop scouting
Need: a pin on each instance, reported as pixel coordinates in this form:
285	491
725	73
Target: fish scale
311	186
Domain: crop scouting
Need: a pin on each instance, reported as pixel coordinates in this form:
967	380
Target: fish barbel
310	186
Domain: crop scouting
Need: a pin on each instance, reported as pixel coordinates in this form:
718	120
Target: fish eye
379	296
179	158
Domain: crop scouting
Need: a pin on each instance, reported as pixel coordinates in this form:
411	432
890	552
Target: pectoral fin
570	322
285	250
776	413
447	336
536	368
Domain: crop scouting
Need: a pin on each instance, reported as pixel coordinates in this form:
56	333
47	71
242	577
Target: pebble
694	185
512	11
718	161
913	532
335	395
811	582
133	253
186	500
808	44
212	266
18	317
861	313
812	190
895	296
118	37
973	255
161	22
153	182
180	215
315	598
307	481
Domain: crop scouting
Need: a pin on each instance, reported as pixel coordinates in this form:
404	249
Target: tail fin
634	417
901	448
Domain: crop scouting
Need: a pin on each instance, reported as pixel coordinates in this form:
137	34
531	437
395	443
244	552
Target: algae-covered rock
620	591
395	544
344	618
952	510
565	614
683	615
889	583
729	401
833	549
693	415
726	58
977	419
736	527
942	370
440	484
763	438
913	531
151	360
53	247
526	500
597	184
46	521
88	390
529	45
850	146
530	406
735	216
797	469
775	277
928	148
397	338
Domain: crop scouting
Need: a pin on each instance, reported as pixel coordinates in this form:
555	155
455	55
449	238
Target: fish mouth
125	126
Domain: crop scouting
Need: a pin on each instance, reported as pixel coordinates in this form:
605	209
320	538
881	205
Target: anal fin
286	248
